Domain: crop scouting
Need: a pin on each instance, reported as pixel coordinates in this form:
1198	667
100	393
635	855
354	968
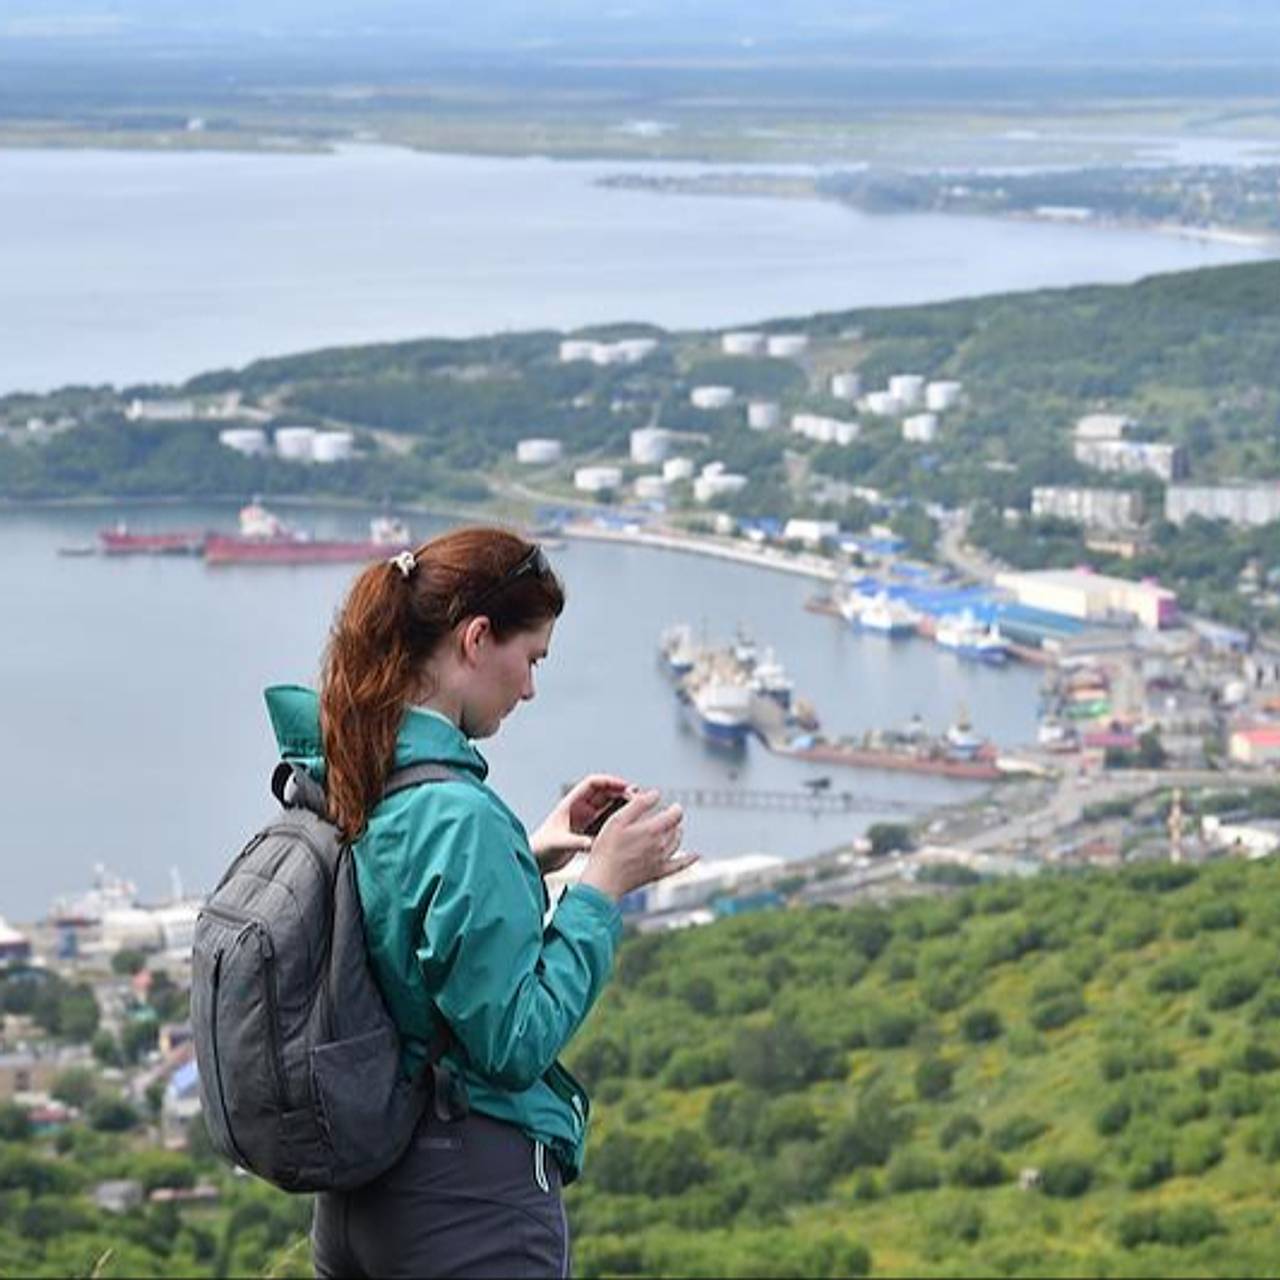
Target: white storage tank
251	441
713	469
743	343
942	395
539	451
787	346
847	432
677	469
633	350
650	445
711	397
846	386
650	488
763	415
907	388
920	428
296	444
333	446
883	403
597	479
577	349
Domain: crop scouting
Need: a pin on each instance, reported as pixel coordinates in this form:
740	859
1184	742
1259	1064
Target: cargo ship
265	539
719	710
883	615
180	542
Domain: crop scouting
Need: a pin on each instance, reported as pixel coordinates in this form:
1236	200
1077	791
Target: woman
431	650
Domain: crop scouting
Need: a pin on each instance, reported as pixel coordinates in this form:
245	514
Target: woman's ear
476	633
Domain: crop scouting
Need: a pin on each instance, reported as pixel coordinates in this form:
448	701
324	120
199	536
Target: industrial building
160	410
1237	504
624	351
1129	457
1092	597
1110	510
597	479
250	441
814	426
1257	746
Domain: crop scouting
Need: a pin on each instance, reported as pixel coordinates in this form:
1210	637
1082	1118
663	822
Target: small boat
78	549
886	616
968	637
677	650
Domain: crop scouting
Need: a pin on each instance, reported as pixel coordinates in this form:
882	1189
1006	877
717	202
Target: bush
113	1115
1197	1151
693	1067
1229	990
1017	1132
960	1221
1177	975
1066	1178
957	1129
976	1165
888	1028
1257	1059
981	1025
934	1077
1058	1011
1113	1117
1150	1163
1179	1226
1219	915
912	1171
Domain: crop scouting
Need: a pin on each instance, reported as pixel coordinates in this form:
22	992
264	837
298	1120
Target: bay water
133	732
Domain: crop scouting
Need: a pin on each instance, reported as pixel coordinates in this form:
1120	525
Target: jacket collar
424	736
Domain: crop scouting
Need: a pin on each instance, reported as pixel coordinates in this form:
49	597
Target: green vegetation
1071	1075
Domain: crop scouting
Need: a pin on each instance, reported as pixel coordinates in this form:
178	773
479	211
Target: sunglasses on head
533	565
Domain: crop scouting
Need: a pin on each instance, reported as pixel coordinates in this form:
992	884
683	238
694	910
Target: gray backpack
299	1060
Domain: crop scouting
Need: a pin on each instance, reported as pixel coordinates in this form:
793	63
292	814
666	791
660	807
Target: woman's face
502	678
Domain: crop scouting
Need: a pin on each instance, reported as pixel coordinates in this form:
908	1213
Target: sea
134	733
138	267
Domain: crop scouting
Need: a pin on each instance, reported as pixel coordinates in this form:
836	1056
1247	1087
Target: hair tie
405	561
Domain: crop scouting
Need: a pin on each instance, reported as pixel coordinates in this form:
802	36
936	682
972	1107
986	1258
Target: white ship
678	650
720	710
968	637
770	680
887	617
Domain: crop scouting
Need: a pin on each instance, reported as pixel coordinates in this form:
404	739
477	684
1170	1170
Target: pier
808	801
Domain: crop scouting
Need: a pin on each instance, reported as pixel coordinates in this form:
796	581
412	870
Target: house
1259	745
118	1195
1252	838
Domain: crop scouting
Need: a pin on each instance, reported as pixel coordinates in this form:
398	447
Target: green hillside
811	1092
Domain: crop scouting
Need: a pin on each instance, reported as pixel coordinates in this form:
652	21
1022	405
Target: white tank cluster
296	444
883	404
650	488
333	446
306	444
650	445
711	397
813	426
624	351
786	346
743	343
539	451
920	428
597	479
846	386
251	441
677	469
763	415
908	388
939	396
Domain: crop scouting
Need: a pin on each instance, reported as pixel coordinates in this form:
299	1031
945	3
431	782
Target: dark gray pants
470	1198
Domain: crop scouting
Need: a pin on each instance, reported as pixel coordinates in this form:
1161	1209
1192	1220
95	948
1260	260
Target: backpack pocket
365	1102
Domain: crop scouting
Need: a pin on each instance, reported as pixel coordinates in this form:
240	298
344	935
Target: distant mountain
913	30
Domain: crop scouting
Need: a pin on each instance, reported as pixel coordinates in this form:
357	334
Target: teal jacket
454	908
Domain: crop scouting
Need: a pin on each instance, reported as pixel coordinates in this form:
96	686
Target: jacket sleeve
512	992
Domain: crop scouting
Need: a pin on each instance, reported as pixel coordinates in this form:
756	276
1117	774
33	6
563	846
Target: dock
807	801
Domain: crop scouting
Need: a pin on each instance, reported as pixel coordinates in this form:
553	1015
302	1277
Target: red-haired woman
431	650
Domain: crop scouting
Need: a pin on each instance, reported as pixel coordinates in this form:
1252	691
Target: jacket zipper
540	1167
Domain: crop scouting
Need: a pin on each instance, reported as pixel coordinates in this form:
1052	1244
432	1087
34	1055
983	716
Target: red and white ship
179	542
265	539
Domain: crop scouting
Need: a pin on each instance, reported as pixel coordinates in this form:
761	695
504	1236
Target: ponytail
395	617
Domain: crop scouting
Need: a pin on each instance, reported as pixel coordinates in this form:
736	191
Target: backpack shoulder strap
295	788
414	775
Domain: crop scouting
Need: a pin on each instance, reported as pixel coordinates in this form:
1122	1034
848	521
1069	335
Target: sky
910	30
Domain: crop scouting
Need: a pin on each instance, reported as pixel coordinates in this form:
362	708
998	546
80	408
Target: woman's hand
564	833
637	846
